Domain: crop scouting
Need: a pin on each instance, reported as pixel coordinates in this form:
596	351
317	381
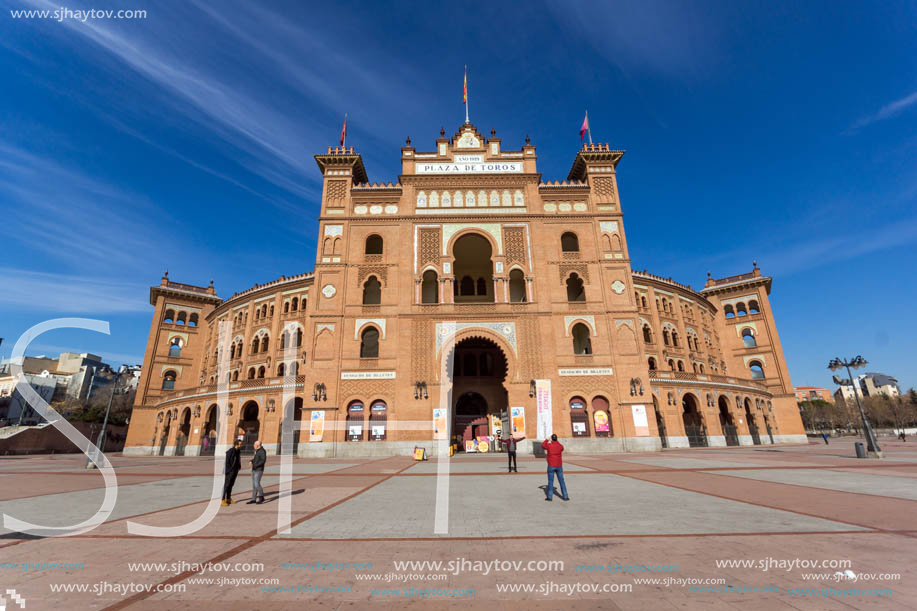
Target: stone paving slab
481	466
305	468
677	462
847	481
72	507
603	504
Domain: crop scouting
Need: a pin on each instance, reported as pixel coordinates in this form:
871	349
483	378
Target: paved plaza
641	531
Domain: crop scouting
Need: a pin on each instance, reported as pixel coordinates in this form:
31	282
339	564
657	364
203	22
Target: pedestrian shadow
545	490
276	495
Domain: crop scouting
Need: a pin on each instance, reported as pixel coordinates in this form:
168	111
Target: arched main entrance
479	369
694	422
249	427
167	427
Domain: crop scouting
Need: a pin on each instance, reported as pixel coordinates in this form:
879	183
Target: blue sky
782	132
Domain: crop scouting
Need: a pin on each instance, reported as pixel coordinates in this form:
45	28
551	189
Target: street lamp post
100	441
872	444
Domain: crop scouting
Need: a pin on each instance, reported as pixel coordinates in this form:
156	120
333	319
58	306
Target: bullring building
524	287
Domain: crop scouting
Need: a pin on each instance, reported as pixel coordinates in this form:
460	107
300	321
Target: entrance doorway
694	423
249	427
479	369
730	432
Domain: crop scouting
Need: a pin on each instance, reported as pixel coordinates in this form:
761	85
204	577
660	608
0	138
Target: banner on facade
601	421
641	426
439	423
317	425
545	413
517	420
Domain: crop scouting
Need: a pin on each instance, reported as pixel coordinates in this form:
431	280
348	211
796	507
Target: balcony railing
688	376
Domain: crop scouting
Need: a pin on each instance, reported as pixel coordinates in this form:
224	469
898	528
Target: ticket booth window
355	421
579	421
601	417
377	418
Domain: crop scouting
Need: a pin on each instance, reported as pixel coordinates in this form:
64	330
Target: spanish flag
465	90
344	130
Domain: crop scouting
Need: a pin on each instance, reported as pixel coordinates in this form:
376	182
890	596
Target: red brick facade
536	277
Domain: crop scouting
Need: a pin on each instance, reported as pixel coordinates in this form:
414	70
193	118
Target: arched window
265	342
192	320
517	287
582	344
727	310
182	317
294	368
474	265
169	317
280	370
261	371
298	338
702	368
569	242
575	289
168	380
681	366
672	364
753	307
429	287
251	373
294	303
372	291
286	307
643	300
175	347
652	363
264	311
694	367
369	343
235	375
740	309
674	339
757	370
255	344
748	338
373	245
665	337
232	351
647	334
284	339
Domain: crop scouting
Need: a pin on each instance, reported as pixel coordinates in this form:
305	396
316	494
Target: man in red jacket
553	450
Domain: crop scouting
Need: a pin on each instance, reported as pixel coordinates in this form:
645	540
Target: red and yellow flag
465	89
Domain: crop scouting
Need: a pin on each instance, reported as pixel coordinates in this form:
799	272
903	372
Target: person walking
258	461
231	470
825	437
553	450
511	452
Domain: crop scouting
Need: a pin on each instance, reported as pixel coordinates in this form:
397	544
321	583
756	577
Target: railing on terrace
688	376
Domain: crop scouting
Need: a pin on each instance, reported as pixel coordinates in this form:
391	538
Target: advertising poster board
317	425
517	418
545	413
601	421
641	426
439	423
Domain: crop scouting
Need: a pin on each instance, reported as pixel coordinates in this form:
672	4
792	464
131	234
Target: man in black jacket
257	462
511	451
231	470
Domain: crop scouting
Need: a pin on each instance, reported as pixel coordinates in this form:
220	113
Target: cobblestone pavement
788	527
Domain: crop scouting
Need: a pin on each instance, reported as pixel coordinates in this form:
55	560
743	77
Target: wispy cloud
886	112
50	292
71	216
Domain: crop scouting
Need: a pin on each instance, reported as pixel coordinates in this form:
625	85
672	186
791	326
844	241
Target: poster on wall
579	428
317	425
545	413
517	418
471	445
641	426
601	421
378	431
439	423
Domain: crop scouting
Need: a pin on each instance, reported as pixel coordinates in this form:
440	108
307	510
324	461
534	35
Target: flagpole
466	94
588	127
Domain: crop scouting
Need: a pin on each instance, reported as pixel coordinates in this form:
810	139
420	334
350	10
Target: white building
14	409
